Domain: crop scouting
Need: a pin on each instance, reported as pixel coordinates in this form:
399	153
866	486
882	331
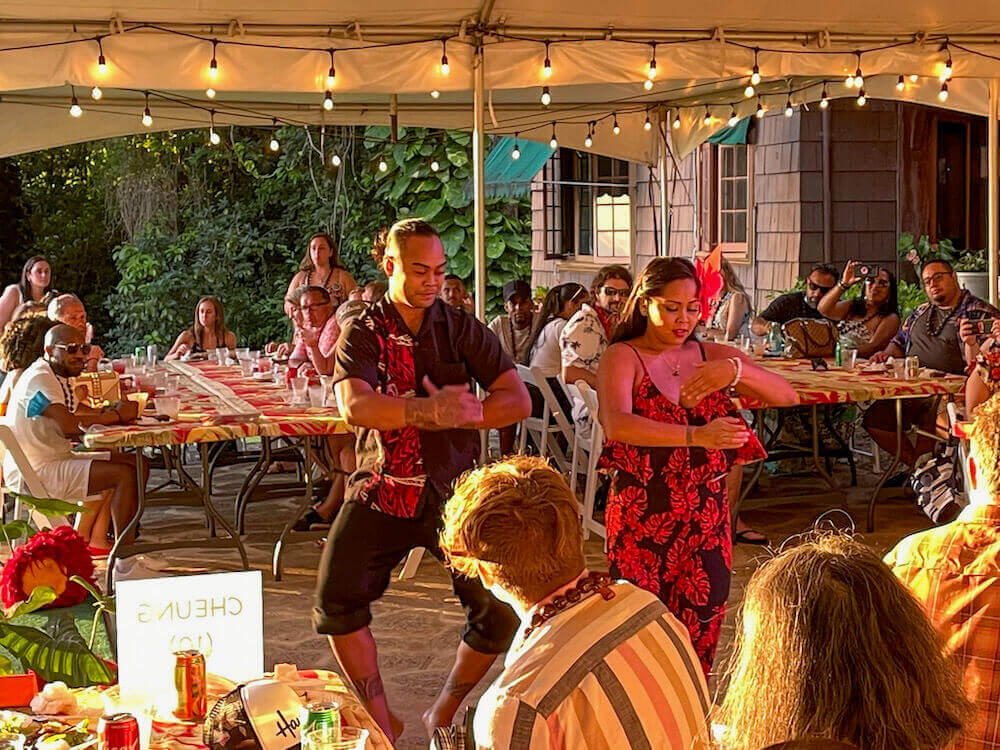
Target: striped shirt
954	571
601	675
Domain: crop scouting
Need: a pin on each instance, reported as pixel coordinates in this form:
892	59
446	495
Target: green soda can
320	714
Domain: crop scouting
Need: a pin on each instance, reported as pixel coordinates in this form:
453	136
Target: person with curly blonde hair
595	663
954	570
830	645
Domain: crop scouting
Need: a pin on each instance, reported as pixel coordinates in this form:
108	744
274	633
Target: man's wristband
843	286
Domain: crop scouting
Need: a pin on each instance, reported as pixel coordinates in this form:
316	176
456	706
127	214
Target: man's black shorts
364	546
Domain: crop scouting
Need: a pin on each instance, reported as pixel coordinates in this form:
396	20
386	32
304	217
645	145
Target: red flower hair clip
709	273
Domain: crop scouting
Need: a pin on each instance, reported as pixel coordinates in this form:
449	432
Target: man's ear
388	264
485	571
973	478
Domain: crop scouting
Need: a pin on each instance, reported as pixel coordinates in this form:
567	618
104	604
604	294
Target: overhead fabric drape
732	135
506	176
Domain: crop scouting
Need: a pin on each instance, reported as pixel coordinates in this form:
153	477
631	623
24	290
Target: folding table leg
896	460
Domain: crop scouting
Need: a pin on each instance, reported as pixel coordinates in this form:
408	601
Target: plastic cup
316	395
334	738
849	358
151	354
168	406
254	354
300	389
222	355
264	364
246	367
242	353
173	384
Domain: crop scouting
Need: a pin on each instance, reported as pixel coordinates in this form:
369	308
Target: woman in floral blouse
672	436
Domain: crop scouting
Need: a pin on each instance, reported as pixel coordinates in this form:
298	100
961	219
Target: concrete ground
417	623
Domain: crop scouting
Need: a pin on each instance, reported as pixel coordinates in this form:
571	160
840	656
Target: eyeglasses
610	291
816	287
878	282
936	278
83	349
307	308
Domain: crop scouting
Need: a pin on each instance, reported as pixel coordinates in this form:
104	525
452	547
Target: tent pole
664	196
479	179
993	174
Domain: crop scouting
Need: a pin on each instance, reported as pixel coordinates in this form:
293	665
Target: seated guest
21	343
317	332
595	663
44	414
732	313
940	336
954	571
822	278
560	304
454	293
68	309
282	349
320	266
35	285
514	332
208	331
832	646
872	319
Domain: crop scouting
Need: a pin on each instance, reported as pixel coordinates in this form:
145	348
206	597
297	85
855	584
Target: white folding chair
537	427
589	396
33	484
412	563
562	421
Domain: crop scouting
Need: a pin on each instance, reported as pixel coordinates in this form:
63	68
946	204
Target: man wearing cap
514	332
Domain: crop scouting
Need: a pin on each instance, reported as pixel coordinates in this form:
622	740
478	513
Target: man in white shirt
595	663
44	413
68	309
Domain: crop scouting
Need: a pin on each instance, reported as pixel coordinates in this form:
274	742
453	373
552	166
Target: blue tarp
512	177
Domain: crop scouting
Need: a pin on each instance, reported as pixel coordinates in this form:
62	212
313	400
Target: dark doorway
952	182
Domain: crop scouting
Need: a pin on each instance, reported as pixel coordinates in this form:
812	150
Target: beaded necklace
591	583
934	330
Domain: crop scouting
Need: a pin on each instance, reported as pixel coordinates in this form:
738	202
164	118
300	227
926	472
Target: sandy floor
417	623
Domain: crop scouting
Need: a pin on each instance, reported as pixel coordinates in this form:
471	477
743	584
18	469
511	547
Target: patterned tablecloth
838	386
202	417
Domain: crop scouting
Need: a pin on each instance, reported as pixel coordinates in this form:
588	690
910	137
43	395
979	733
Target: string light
651	73
382	165
102	63
824	102
857	80
615	127
589	140
331	74
943	93
677	120
648	125
74	106
553	142
435	94
213	137
733	117
274	145
547	65
755	74
515	153
862	98
147	116
444	57
546	96
789	109
328	101
914	77
213	66
647	84
760	109
900	84
435	166
96	93
946	71
749	91
707	119
335	160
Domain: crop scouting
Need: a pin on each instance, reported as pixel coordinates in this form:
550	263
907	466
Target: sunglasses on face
83	349
816	287
307	308
936	278
878	282
610	291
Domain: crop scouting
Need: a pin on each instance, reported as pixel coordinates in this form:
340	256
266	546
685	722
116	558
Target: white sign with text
220	614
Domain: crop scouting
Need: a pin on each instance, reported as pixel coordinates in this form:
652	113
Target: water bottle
774	339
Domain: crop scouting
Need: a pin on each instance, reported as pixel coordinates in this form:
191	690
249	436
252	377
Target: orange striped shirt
601	675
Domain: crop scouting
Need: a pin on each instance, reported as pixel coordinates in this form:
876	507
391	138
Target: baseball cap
514	288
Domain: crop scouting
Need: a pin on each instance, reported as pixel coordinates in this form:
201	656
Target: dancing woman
673	434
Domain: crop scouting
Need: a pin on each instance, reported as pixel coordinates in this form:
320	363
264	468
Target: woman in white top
35	284
559	305
321	267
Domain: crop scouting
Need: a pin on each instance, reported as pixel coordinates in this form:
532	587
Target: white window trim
741	253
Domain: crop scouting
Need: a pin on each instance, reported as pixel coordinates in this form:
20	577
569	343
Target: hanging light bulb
648	125
74	107
444	57
749	91
859	79
824	101
849	81
435	94
755	73
382	165
589	140
943	93
914	77
677	120
328	101
733	117
900	83
546	96
213	66
96	93
707	119
335	159
553	142
647	84
615	127
789	109
331	74
147	116
862	98
102	63
547	65
651	70
760	109
435	166
213	137
274	145
515	153
210	92
946	71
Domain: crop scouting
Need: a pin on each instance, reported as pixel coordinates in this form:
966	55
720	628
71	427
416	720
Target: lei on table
988	364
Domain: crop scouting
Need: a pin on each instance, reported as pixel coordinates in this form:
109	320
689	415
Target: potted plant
970	265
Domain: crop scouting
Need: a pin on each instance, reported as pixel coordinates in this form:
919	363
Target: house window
590	200
733	213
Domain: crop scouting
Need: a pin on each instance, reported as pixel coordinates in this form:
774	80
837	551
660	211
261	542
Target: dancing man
403	372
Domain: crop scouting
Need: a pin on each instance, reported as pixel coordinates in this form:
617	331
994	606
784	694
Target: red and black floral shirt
452	348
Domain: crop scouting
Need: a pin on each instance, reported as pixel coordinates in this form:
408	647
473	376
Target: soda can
318	714
118	732
191	682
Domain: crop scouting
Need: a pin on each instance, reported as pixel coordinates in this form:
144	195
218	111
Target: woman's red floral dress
667	518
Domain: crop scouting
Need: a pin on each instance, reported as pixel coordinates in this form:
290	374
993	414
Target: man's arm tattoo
370	687
420	413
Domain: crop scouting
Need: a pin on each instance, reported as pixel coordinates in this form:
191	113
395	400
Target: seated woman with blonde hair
208	331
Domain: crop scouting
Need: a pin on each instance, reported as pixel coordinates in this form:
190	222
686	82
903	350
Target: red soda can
118	732
191	682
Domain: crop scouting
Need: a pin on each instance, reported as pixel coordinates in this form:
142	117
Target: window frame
712	210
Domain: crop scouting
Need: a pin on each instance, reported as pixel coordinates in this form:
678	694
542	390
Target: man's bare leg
357	655
469	668
93	525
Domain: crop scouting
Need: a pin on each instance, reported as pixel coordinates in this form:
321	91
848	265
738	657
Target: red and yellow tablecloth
199	417
838	386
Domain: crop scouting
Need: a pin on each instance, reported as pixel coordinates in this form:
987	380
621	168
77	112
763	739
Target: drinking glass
246	367
898	367
300	389
334	738
912	368
151	354
173	384
160	381
280	371
254	354
242	353
759	344
849	358
168	406
222	354
316	394
264	364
